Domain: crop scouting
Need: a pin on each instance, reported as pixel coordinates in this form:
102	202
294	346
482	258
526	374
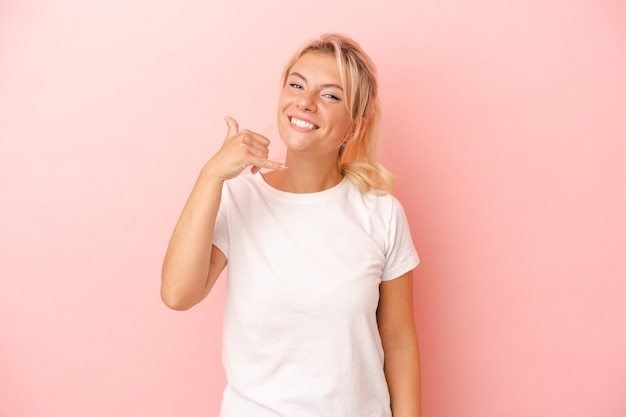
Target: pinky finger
266	163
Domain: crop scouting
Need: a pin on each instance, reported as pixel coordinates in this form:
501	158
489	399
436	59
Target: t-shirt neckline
304	197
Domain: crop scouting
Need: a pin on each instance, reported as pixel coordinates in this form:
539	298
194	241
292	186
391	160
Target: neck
305	175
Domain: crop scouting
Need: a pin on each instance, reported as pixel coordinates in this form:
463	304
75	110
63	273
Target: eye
332	97
295	85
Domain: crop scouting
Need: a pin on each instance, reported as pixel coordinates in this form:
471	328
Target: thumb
233	127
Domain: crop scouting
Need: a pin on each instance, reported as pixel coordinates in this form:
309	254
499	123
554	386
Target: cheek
345	124
282	124
285	96
281	102
281	107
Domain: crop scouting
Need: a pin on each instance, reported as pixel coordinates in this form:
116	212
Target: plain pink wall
505	124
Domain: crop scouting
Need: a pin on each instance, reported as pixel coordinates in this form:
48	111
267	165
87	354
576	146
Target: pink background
505	122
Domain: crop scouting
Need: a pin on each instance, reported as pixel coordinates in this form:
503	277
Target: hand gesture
240	150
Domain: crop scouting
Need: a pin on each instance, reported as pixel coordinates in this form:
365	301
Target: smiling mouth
302	124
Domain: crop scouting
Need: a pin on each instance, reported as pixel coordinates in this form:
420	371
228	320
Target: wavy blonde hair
357	155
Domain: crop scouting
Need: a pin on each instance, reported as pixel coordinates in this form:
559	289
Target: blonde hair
357	155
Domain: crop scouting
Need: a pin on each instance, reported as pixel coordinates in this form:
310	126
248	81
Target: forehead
317	64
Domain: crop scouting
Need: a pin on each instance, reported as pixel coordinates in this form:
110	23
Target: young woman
318	318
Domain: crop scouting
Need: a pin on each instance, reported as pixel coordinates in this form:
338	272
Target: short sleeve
400	255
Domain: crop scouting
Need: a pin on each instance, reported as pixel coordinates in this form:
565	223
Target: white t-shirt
300	331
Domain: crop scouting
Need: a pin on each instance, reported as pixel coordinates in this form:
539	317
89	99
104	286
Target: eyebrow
297	74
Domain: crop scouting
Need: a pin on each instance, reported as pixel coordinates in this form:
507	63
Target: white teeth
302	123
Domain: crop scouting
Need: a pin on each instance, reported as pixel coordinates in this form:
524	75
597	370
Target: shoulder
240	191
242	181
241	184
387	205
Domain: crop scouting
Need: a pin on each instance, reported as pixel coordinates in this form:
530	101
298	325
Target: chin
292	140
296	145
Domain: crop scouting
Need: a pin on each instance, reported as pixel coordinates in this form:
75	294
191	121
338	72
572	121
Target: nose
306	101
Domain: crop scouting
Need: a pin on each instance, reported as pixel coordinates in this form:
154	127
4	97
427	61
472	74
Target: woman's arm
192	264
397	330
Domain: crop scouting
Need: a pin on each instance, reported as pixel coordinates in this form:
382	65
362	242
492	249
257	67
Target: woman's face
312	112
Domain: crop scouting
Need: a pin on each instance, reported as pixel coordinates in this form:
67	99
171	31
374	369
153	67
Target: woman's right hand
241	150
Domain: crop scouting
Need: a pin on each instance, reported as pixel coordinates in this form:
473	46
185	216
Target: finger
261	163
255	139
233	126
258	151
